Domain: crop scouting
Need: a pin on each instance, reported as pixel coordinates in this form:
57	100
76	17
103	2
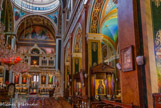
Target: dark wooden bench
117	104
157	100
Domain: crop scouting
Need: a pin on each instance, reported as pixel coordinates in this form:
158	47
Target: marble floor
39	102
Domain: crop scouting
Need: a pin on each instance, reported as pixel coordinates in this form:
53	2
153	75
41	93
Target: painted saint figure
101	88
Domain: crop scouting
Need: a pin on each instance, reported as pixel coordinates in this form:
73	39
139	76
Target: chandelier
20	68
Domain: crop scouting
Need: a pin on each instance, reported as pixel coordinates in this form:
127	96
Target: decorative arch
95	15
21	20
108	23
77	39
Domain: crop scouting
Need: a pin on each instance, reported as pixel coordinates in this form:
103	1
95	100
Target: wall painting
37	33
156	14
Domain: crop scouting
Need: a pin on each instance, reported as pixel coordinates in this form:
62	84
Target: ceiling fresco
111	5
109	26
110	29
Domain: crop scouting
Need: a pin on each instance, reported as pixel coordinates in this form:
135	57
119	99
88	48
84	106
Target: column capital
94	36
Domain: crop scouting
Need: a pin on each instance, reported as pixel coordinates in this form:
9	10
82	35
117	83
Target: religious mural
16	79
18	14
94	53
54	17
24	80
78	88
43	79
50	79
67	78
76	65
78	41
156	13
37	33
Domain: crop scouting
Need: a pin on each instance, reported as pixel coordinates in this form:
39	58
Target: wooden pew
157	100
117	104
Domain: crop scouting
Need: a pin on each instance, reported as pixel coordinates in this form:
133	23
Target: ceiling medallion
157	2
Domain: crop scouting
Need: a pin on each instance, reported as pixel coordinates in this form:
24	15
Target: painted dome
37	6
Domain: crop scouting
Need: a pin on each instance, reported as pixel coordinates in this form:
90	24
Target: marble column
13	78
39	79
62	51
47	77
20	81
10	76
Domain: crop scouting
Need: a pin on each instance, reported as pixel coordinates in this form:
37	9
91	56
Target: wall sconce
86	75
140	60
118	66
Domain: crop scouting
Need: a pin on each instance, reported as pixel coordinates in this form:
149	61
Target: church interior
80	54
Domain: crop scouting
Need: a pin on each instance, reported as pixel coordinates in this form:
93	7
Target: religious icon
16	79
50	79
94	53
127	59
43	79
24	80
11	90
76	65
94	47
100	87
78	88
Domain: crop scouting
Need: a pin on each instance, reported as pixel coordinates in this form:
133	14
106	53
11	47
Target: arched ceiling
104	19
109	26
35	20
37	6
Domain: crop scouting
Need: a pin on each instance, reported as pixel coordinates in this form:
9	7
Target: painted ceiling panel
111	5
110	29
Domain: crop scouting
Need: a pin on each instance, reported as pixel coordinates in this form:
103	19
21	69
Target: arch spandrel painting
37	33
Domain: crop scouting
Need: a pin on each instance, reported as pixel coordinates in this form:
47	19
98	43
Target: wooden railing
157	100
